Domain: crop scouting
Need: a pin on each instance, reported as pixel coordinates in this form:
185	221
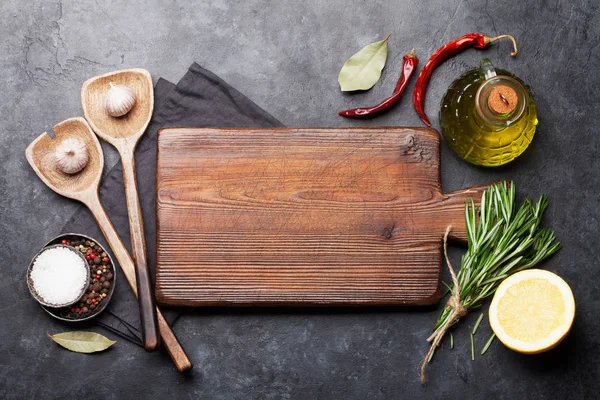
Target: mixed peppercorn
101	280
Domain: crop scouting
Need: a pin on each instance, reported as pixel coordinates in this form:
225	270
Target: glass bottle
488	116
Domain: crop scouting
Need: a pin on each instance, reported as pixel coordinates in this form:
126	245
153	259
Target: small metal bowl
32	288
60	313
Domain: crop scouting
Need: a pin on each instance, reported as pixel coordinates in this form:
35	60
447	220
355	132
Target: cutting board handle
452	210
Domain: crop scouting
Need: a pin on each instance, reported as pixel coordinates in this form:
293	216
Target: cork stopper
503	99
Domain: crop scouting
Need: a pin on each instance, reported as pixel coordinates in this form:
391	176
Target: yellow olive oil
488	116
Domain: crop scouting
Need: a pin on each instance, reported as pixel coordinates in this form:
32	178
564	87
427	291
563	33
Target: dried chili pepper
409	63
476	40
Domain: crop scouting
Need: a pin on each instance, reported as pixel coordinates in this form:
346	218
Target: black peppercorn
97	286
106	285
104	290
97	261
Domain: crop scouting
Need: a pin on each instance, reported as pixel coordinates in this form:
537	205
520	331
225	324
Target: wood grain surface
302	216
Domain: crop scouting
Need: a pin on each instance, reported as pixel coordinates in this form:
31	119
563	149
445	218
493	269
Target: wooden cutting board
302	216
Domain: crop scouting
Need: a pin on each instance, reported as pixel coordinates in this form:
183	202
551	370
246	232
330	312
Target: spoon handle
138	244
177	353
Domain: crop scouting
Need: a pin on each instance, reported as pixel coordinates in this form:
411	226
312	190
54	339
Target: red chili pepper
410	61
476	40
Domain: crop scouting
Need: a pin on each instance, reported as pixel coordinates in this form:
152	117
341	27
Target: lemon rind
556	336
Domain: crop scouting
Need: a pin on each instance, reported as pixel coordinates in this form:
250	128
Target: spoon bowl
40	154
128	128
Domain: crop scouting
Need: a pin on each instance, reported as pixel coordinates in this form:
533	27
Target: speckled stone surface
286	56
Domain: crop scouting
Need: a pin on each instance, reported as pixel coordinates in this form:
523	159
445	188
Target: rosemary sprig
472	348
488	343
501	241
477	324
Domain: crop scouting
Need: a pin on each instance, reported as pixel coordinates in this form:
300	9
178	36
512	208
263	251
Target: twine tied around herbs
458	311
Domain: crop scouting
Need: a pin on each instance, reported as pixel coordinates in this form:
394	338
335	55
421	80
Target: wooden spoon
83	186
124	133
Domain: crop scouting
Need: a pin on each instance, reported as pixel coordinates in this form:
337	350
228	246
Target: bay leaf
82	342
363	69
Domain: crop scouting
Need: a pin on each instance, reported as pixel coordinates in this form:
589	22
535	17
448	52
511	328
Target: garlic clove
118	100
71	156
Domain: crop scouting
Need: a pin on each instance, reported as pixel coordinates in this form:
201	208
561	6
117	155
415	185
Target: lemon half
532	311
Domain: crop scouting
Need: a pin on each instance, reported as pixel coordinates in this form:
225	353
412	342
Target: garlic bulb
71	156
118	100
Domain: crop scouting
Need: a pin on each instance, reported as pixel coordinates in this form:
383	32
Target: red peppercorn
80	312
97	276
93	301
64	241
105	259
73	309
93	255
87	258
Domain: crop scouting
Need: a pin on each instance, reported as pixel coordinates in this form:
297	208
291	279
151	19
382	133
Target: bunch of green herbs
501	241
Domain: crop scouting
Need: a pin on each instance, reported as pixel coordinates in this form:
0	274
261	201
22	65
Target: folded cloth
200	99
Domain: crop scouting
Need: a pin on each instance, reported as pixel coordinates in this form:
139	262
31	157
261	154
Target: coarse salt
59	275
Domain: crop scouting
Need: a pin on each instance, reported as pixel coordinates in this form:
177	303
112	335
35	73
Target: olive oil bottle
488	116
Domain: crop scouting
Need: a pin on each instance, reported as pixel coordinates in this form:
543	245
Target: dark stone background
286	56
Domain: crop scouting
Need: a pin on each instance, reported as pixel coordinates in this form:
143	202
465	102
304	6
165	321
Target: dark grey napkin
200	99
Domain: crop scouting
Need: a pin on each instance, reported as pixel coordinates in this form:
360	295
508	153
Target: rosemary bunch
501	241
